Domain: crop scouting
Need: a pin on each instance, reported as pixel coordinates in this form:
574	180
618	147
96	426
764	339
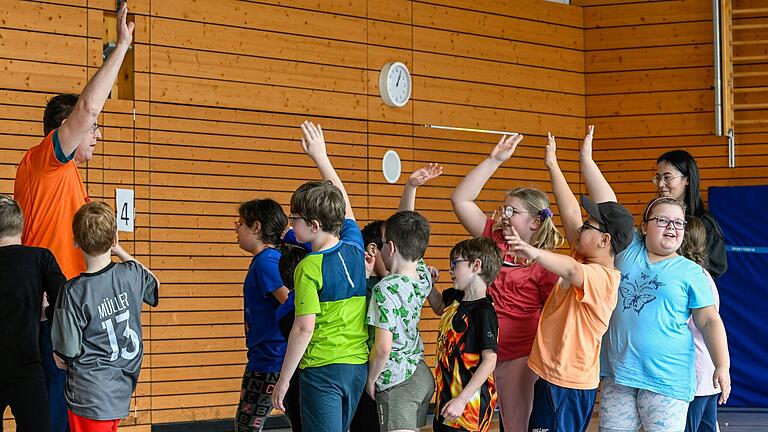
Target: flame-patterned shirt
466	329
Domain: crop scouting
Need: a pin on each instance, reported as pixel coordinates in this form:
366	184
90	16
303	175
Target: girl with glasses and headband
677	176
521	288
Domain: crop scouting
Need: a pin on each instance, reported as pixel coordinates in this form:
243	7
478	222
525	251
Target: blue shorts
560	409
329	396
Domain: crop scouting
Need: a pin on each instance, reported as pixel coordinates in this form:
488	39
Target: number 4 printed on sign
125	209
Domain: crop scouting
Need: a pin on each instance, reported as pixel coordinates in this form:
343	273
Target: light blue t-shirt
648	344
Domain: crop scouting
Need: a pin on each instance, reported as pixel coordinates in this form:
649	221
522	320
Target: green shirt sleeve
308	280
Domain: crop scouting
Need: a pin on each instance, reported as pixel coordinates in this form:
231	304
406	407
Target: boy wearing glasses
566	350
328	340
467	339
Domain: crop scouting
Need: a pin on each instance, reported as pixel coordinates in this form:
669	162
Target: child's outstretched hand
506	147
550	154
520	247
313	140
425	174
722	380
586	146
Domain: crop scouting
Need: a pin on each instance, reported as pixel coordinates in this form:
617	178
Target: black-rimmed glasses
664	222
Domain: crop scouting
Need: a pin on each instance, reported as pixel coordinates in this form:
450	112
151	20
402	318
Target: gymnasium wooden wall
220	89
649	85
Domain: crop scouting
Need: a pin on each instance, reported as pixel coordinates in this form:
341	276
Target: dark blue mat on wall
742	212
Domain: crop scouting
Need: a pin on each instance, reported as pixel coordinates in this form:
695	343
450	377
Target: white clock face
395	84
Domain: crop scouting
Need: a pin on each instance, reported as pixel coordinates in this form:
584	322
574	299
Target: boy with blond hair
97	324
575	317
467	340
328	340
26	273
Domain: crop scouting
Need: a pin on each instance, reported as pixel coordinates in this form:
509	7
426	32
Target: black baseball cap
615	219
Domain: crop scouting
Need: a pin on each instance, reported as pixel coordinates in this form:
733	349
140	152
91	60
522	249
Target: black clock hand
399	75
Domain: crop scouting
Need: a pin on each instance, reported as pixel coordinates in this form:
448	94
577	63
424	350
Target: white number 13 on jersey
130	335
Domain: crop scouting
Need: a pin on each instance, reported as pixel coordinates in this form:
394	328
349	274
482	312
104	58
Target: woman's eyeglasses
666	179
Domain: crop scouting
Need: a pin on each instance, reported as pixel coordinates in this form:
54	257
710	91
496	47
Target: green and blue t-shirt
331	285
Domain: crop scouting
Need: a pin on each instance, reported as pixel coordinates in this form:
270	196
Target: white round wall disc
390	166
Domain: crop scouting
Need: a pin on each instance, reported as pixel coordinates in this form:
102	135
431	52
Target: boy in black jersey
26	273
467	339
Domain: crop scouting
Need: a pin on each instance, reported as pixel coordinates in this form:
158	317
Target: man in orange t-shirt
49	189
566	351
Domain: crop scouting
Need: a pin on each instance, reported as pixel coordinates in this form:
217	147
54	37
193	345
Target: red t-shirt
519	294
50	193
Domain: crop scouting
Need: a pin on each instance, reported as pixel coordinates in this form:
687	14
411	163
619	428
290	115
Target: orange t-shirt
50	193
566	351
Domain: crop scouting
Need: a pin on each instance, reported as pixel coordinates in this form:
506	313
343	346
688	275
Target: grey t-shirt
97	331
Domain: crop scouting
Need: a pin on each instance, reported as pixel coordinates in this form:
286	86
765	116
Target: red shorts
82	424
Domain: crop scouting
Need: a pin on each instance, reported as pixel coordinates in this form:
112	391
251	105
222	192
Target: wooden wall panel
220	89
649	86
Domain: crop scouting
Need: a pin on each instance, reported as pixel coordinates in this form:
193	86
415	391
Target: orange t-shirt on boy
566	351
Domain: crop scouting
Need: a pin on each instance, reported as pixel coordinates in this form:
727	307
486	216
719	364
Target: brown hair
11	218
657	202
320	201
95	228
547	237
694	245
409	231
57	110
269	214
484	249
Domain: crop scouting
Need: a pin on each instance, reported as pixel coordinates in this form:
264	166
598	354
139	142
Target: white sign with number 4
125	212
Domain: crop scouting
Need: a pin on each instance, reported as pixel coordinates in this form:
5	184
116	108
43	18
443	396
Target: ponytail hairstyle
547	237
694	245
686	164
656	202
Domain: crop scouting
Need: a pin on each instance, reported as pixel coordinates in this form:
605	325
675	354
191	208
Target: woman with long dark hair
677	176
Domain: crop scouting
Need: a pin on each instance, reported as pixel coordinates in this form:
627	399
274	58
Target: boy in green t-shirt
328	338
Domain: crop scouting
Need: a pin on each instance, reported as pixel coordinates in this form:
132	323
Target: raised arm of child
455	407
597	185
562	265
418	178
570	211
313	143
711	326
377	359
463	198
435	297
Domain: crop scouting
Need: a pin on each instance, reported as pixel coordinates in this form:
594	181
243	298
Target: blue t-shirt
648	344
266	346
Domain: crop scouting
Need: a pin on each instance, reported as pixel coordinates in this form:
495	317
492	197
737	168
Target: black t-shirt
466	329
25	274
